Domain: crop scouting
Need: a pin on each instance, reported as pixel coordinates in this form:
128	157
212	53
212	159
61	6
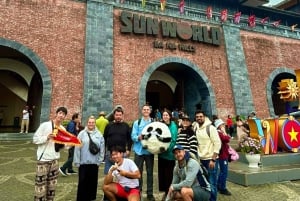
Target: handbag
94	149
233	155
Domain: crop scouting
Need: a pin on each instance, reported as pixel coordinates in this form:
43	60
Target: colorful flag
181	6
293	27
209	12
276	23
237	17
251	21
143	3
163	5
224	15
264	20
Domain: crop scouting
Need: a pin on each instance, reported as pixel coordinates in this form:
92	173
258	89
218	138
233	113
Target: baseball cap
185	117
177	146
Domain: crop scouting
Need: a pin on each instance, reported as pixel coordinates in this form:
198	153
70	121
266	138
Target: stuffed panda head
156	137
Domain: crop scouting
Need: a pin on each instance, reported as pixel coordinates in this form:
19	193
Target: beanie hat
218	123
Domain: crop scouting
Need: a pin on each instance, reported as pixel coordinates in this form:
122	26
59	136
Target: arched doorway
21	84
177	83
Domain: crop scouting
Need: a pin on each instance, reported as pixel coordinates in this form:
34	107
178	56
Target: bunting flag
163	5
224	14
276	23
181	6
143	3
209	12
264	20
237	17
64	137
251	21
293	27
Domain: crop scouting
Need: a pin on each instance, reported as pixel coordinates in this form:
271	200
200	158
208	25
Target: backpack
202	175
139	121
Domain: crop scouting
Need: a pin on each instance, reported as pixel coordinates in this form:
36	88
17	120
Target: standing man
141	154
25	119
47	157
72	127
101	122
209	145
116	133
122	179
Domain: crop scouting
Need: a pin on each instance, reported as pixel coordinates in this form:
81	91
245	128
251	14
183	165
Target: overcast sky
273	2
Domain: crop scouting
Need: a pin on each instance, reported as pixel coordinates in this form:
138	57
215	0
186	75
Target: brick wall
55	31
265	53
133	54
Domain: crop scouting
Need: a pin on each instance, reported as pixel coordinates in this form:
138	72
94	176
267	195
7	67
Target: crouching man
122	180
189	180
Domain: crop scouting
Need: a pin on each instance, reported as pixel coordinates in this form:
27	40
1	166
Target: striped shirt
188	140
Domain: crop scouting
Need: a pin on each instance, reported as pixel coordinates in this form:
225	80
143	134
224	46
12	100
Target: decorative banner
281	133
237	17
209	12
293	27
291	134
256	130
288	89
224	14
181	6
163	5
264	20
64	137
270	140
251	21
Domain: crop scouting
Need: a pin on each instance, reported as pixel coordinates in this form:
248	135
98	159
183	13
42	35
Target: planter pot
253	160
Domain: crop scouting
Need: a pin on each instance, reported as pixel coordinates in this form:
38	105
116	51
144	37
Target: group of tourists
197	154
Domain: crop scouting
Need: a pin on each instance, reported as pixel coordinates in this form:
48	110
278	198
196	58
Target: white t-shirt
25	114
130	166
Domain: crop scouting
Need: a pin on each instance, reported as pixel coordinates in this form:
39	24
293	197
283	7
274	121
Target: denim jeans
223	164
149	160
213	177
68	164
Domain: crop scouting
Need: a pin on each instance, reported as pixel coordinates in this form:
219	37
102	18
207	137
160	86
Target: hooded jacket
207	144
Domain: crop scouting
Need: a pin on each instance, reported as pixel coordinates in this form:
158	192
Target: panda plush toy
156	137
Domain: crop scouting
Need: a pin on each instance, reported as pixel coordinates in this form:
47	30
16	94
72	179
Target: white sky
273	2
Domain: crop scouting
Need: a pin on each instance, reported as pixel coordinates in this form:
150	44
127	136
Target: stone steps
273	168
16	136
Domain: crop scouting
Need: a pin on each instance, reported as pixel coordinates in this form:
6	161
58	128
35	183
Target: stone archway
209	103
43	73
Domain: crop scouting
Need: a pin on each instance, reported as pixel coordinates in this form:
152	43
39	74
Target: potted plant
252	149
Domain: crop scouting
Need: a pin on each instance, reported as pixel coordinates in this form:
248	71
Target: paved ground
284	191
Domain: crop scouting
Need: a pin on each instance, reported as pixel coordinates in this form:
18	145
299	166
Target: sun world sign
133	23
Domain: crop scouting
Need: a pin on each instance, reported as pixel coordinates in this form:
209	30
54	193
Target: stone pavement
283	191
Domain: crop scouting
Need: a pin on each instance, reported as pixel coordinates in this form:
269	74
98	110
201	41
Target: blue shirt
136	131
82	155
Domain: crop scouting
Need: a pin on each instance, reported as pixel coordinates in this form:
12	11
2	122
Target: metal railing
197	12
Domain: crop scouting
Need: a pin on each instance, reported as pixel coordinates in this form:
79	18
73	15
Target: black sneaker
224	192
70	172
63	172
